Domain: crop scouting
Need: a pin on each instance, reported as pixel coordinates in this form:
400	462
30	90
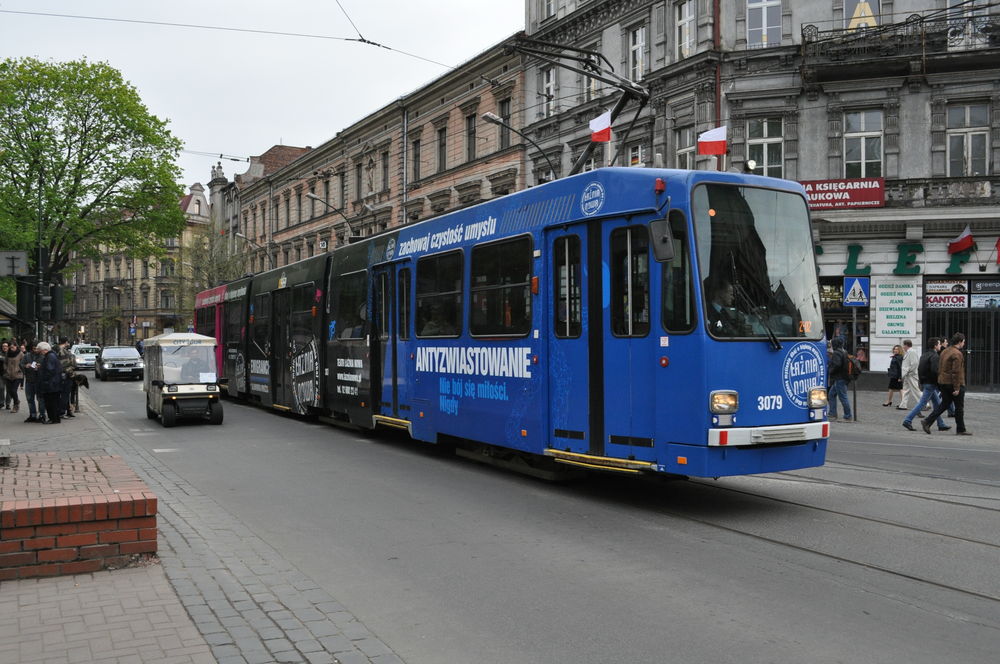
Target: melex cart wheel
215	412
169	415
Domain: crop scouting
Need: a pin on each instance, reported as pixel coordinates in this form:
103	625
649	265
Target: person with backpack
838	380
927	372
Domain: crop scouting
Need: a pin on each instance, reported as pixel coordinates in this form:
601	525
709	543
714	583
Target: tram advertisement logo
802	370
592	199
484	365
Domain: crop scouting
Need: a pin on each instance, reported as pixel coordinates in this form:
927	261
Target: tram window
501	288
403	303
261	315
630	281
302	318
566	289
382	308
233	322
205	319
352	308
439	295
677	291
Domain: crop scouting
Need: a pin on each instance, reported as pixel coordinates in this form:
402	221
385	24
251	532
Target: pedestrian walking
951	382
50	381
12	375
4	400
895	374
838	380
911	381
68	362
927	372
30	363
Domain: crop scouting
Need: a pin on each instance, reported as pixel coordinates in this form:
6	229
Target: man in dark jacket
30	364
50	381
838	380
951	382
927	371
68	362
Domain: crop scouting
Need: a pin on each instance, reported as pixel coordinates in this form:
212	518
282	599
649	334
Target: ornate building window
765	146
637	52
684	141
968	138
686	28
863	144
763	23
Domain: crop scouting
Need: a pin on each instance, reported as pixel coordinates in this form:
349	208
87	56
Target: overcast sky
239	93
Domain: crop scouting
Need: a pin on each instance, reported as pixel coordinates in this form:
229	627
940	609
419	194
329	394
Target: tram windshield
755	249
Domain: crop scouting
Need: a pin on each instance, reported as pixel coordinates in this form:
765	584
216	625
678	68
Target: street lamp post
493	118
353	236
270	258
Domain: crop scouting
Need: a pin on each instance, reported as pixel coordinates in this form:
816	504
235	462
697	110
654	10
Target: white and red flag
963	242
713	141
600	128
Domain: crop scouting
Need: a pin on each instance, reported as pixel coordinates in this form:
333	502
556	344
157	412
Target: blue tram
634	320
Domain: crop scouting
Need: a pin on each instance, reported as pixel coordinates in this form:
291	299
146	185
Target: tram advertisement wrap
474	372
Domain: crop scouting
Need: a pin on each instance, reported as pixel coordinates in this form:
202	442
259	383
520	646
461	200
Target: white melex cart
181	378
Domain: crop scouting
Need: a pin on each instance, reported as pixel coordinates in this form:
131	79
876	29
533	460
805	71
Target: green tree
206	263
84	166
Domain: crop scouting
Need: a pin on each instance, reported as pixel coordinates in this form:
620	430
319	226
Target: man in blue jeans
927	371
838	380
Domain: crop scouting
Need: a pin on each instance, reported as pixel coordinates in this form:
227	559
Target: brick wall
67	516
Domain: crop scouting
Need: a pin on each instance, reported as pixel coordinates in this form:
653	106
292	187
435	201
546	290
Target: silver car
86	355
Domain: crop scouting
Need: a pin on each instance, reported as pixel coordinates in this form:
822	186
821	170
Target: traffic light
45	303
26	295
58	302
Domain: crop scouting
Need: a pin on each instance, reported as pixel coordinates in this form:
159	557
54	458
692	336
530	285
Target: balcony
943	192
933	41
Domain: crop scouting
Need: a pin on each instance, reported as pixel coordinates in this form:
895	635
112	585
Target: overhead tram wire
278	33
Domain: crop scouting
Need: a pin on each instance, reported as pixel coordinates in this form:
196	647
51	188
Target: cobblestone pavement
982	418
246	603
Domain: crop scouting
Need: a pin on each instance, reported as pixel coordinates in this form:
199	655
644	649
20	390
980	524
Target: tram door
281	347
569	346
385	364
629	366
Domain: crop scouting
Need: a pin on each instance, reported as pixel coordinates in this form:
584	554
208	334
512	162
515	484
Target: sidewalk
217	593
982	417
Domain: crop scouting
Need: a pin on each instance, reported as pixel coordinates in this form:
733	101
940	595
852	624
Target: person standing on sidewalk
911	384
838	380
12	375
927	372
68	362
895	374
951	382
50	381
30	363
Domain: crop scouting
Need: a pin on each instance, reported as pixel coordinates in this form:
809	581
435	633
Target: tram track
860	561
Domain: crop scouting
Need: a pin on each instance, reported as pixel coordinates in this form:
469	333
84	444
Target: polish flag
600	128
963	242
713	141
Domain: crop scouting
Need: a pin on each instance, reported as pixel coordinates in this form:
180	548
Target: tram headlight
817	397
724	402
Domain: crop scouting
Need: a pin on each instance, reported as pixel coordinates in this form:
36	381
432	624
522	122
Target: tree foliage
205	263
83	163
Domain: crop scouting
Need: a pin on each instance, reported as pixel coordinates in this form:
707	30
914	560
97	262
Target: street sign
13	263
857	291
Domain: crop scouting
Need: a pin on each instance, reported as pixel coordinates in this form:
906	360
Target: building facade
119	300
888	112
424	154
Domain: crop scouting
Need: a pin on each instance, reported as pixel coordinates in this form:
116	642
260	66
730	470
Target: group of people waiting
46	374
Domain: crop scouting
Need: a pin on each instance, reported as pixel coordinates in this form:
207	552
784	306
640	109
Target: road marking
115	412
162	450
146	433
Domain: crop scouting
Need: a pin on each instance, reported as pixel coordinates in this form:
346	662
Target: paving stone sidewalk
229	596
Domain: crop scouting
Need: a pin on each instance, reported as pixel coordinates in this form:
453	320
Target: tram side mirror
662	240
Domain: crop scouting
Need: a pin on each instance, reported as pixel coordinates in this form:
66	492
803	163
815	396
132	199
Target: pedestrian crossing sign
856	291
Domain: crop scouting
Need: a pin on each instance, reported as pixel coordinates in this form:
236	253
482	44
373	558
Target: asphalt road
887	554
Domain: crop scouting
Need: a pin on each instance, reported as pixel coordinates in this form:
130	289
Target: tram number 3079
769	402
